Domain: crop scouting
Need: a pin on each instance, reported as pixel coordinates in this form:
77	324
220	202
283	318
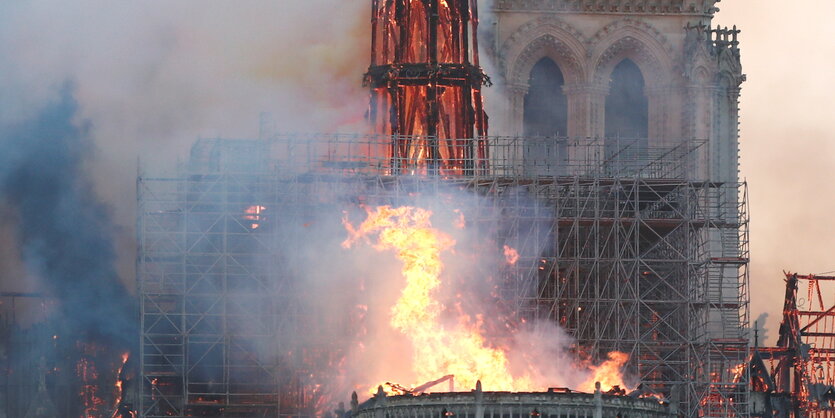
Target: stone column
479	400
598	93
586	107
516	108
733	96
598	401
586	104
658	100
699	120
510	154
728	136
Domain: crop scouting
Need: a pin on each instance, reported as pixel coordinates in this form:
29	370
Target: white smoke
152	76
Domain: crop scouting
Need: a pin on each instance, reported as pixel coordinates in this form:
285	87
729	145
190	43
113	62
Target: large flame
440	348
607	373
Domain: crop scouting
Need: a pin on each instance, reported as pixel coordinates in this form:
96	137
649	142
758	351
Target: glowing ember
510	255
460	222
255	215
86	371
120	380
738	372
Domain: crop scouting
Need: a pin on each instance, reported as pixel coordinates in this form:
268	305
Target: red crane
797	377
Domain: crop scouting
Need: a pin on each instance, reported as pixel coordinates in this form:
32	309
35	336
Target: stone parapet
478	404
684	7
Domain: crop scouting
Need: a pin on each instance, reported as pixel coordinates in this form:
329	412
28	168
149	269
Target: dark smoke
64	231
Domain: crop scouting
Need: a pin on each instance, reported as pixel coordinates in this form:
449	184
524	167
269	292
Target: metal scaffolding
627	247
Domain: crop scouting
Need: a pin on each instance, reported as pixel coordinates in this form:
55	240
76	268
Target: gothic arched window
546	108
545	115
627	107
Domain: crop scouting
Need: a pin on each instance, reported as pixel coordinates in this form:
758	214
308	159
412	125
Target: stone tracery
545	36
640	41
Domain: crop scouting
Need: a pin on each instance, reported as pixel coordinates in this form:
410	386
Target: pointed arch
627	107
638	41
540	38
545	106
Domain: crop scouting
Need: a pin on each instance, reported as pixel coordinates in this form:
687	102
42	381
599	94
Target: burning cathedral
579	251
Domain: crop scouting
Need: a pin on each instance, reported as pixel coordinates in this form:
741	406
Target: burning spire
426	84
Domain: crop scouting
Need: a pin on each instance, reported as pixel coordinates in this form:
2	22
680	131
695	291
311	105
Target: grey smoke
64	232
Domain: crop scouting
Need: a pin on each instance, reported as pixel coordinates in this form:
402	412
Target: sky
787	140
152	76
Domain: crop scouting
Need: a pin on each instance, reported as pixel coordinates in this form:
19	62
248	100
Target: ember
254	215
89	377
511	255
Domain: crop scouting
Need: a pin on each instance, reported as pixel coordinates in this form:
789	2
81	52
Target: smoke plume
65	232
153	76
353	293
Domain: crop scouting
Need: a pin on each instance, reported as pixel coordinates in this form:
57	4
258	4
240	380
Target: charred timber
457	75
425	83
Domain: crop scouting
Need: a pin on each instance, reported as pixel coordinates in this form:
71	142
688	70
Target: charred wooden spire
426	84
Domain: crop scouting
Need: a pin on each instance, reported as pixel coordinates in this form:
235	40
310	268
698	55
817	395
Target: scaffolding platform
626	244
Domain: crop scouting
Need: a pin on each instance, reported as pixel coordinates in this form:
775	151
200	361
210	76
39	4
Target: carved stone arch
540	38
729	66
701	75
547	46
725	80
700	67
643	44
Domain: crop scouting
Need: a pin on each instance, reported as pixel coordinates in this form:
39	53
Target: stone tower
650	70
640	77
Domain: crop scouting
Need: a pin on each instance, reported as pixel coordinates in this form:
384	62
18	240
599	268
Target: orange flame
119	380
607	373
85	369
511	255
738	372
440	349
254	214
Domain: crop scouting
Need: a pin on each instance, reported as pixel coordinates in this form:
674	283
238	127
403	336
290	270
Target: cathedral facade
649	70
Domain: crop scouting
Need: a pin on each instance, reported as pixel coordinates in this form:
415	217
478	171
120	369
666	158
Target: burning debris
254	215
510	255
123	408
88	373
797	377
